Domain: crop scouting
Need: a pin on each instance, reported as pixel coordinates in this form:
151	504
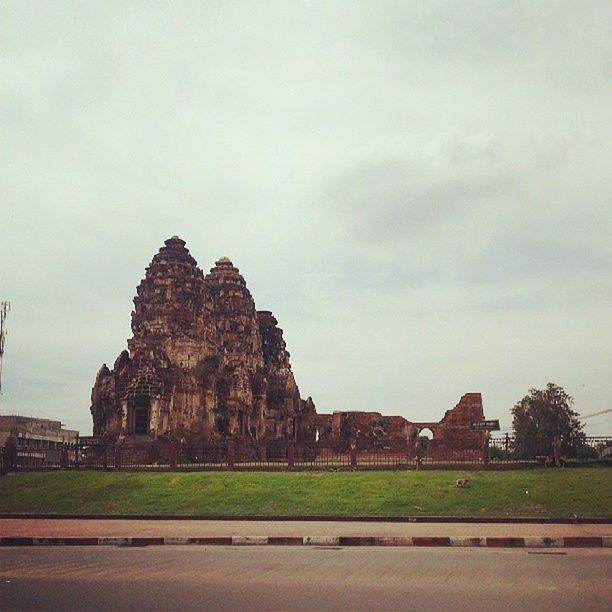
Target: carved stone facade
202	365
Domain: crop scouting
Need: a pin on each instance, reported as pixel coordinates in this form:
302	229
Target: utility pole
5	307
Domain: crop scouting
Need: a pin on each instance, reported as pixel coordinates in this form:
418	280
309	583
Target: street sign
484	425
89	440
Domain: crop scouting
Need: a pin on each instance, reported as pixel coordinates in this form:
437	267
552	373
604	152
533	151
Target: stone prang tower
202	366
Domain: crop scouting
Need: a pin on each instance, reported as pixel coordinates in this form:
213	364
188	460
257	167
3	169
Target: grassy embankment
581	491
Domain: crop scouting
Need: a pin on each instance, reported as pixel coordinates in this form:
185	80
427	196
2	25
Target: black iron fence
19	454
592	449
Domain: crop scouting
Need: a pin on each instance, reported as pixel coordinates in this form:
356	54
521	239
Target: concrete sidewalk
33	531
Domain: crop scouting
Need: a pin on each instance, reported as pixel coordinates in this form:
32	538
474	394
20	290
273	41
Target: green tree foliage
539	417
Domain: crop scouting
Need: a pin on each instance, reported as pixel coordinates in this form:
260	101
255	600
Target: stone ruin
373	431
204	366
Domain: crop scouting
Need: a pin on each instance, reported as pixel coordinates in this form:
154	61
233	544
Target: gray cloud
540	258
389	201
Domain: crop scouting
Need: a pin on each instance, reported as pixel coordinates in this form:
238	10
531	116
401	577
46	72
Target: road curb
422	541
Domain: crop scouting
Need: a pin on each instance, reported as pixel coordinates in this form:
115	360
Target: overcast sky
420	191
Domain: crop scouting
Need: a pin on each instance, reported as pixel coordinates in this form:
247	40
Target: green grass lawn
586	492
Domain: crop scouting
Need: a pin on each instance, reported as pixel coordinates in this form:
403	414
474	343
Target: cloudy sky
420	191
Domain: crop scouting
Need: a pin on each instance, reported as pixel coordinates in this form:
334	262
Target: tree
539	417
424	440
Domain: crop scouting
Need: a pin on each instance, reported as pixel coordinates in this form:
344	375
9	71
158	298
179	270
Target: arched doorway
425	436
140	414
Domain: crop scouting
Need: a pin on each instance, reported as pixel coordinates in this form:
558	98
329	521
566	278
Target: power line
588	416
593	423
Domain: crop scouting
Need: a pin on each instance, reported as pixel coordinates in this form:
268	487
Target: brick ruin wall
372	431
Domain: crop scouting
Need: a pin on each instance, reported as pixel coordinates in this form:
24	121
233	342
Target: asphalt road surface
303	578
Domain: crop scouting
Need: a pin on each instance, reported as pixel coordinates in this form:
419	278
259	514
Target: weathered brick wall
373	431
453	432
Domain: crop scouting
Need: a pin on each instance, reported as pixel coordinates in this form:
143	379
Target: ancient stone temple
202	366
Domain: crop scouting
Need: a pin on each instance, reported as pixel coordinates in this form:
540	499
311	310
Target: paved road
206	528
283	578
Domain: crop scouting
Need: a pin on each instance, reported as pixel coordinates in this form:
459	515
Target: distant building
39	433
39	441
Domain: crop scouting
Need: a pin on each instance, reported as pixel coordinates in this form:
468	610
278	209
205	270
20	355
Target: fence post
557	450
353	454
63	457
10	453
173	457
290	454
262	453
117	457
486	452
417	454
231	454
